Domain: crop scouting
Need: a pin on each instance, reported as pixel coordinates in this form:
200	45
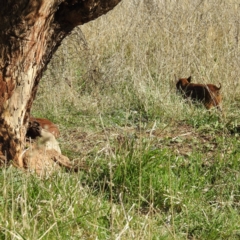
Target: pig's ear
189	79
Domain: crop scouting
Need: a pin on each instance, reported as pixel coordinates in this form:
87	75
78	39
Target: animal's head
34	130
43	123
182	83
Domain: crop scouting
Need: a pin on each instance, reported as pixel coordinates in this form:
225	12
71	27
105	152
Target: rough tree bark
30	33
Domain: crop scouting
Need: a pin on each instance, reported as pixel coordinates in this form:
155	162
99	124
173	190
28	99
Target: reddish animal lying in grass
208	94
36	125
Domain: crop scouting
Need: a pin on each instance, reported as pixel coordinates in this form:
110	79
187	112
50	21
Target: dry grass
138	48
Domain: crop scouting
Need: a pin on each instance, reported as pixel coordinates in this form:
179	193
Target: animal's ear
189	79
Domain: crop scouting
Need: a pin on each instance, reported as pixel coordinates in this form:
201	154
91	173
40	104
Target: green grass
183	196
156	166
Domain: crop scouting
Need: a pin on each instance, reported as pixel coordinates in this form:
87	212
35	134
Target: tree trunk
30	32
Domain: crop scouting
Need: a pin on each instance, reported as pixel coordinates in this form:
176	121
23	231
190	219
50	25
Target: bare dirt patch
181	139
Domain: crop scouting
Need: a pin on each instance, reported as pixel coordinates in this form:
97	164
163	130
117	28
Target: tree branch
77	12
